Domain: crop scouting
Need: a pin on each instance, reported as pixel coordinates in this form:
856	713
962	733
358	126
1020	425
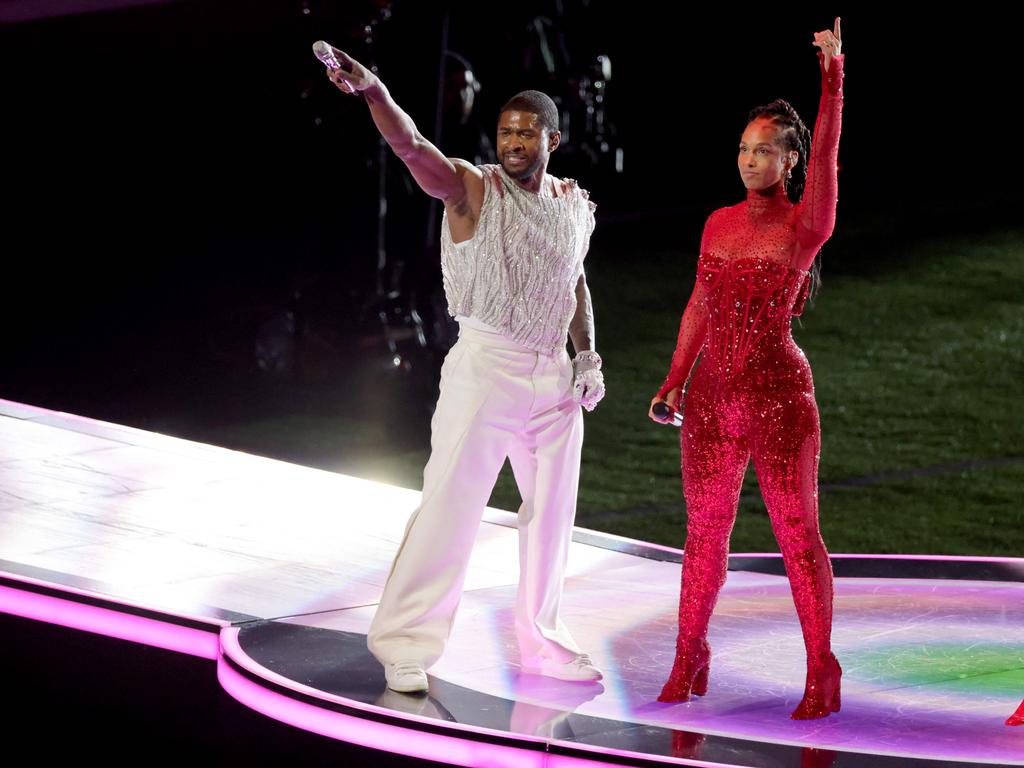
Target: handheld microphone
325	53
668	415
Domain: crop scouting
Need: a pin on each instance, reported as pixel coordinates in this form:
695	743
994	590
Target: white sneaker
406	677
579	669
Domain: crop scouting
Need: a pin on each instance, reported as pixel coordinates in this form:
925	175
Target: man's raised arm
437	175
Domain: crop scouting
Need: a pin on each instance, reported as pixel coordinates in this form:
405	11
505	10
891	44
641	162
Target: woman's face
762	161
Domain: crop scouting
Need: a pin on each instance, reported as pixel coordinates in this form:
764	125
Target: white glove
588	381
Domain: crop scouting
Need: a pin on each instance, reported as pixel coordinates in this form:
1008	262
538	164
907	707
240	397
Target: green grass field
917	367
918	357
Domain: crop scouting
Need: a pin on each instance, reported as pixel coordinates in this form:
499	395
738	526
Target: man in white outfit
512	248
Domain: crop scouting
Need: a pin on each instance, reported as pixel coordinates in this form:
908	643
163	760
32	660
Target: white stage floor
227	545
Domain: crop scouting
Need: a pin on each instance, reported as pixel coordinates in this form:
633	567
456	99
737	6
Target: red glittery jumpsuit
752	396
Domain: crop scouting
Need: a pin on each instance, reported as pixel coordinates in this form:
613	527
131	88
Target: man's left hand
588	381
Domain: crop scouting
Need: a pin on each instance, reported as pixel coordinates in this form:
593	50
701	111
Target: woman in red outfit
752	394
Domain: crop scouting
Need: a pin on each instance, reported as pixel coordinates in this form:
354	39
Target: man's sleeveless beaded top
518	272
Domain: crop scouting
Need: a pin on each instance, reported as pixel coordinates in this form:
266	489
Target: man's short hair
537	102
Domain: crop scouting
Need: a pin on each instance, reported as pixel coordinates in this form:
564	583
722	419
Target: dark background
180	174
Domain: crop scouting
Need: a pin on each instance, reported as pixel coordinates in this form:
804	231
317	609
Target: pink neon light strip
396	738
368	733
104	621
950	558
70	590
231	648
405	741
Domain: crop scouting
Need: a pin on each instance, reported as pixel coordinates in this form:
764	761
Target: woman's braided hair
793	135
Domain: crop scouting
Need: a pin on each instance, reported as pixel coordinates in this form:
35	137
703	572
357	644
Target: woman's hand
830	41
673	398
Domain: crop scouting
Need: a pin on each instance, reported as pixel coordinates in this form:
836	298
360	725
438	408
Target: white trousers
498	399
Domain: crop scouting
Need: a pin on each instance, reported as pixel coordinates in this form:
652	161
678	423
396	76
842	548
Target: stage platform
272	571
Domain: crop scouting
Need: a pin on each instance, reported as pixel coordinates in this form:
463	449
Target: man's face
524	145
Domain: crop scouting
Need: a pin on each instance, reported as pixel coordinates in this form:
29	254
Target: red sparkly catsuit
752	396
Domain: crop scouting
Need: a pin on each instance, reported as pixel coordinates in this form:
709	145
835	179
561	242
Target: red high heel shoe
821	693
689	674
1017	718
